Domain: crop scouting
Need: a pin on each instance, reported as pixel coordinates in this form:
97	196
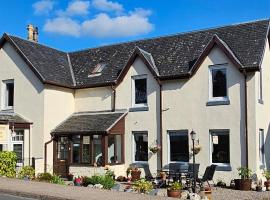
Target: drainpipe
246	118
160	126
45	153
113	98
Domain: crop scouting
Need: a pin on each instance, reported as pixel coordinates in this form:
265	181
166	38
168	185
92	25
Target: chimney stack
32	33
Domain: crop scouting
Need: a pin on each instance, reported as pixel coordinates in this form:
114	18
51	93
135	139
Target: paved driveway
10	197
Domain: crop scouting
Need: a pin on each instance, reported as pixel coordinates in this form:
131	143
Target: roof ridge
44	45
172	35
71	70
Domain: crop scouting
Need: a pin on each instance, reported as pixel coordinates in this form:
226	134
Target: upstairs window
218	83
8	94
140	91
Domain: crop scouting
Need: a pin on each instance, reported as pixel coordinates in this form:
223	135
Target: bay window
18	145
92	150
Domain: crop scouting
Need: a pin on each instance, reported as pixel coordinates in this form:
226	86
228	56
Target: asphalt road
11	197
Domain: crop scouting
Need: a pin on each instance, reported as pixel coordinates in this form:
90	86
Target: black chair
190	170
208	175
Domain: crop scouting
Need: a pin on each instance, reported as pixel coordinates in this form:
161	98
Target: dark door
61	156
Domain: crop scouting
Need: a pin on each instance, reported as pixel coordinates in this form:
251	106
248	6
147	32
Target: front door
61	156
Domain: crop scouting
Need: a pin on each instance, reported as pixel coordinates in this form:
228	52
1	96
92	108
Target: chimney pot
32	33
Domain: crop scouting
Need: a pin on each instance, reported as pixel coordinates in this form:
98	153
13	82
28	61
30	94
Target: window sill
7	109
136	109
223	167
140	164
218	103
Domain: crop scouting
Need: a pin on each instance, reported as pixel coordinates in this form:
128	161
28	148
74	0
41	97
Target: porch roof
11	117
89	123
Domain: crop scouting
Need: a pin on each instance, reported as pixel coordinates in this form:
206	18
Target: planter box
174	193
243	184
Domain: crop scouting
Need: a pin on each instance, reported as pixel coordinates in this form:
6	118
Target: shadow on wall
145	168
267	148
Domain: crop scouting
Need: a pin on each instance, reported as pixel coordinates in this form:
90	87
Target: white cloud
63	26
43	7
77	7
122	26
105	5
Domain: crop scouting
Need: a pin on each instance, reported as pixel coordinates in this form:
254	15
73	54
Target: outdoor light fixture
193	137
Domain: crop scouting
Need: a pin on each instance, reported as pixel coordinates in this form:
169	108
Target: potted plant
197	149
266	174
245	182
259	186
78	181
174	190
155	149
143	186
135	174
208	192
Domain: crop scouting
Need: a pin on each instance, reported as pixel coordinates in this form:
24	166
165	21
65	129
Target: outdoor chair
175	170
190	170
208	175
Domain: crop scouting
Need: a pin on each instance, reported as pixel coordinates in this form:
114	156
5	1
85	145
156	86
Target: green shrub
57	180
176	186
110	173
8	161
106	181
143	186
244	172
28	172
45	177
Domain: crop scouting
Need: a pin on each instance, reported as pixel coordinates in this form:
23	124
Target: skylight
97	70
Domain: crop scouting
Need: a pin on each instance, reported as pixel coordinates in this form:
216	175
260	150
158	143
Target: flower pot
243	184
208	194
135	175
174	193
267	184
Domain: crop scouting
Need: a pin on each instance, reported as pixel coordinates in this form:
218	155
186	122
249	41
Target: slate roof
6	117
170	56
87	122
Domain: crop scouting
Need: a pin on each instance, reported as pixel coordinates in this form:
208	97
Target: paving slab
48	191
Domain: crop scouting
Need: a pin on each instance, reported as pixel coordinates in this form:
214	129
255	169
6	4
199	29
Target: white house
69	111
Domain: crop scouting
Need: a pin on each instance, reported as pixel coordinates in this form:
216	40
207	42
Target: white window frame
21	142
261	154
4	99
175	132
133	104
217	67
219	132
134	146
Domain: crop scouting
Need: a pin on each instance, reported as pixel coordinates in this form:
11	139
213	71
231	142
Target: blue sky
77	24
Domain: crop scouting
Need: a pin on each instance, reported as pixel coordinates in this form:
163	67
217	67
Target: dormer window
218	90
8	94
97	70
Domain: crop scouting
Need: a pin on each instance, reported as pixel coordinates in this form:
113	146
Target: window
97	70
178	146
218	83
8	94
140	147
98	156
220	147
261	147
139	91
114	149
17	145
86	155
1	147
62	148
76	145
